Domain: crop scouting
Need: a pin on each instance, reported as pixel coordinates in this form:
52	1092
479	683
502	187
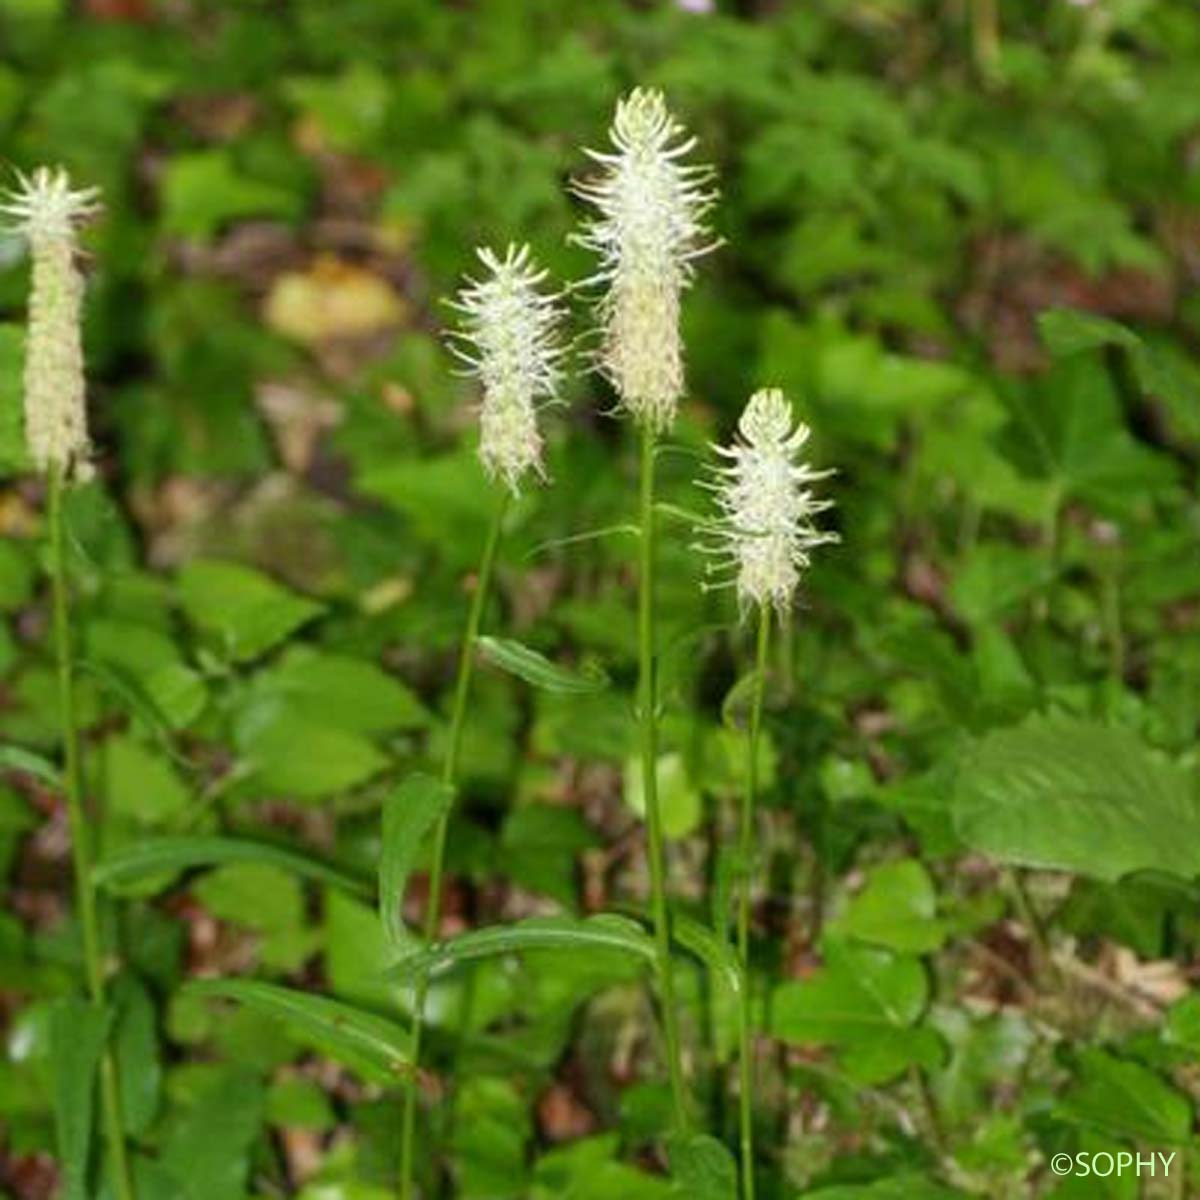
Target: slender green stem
433	906
745	853
85	894
648	724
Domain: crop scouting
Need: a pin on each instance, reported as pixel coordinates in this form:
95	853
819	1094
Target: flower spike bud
765	528
43	209
649	231
508	338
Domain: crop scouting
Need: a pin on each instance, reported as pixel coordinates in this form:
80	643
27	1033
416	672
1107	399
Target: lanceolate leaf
409	814
371	1044
604	932
17	758
1077	796
161	856
716	954
77	1033
538	670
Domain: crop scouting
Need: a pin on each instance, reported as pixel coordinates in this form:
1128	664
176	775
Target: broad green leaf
702	1168
153	857
605	931
207	1147
140	784
335	689
1068	331
203	189
491	1138
540	846
372	1045
1070	431
78	1031
538	670
245	610
289	753
263	898
1128	1101
897	908
1071	795
409	814
680	804
137	701
864	1001
1183	1023
17	758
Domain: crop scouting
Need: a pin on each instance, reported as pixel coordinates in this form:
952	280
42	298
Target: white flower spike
765	529
649	231
509	340
43	209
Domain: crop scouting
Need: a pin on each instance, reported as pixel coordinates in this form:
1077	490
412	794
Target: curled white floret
765	527
649	231
508	337
45	210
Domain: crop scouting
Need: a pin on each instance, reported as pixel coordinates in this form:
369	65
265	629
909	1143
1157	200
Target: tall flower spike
765	529
649	231
44	209
508	338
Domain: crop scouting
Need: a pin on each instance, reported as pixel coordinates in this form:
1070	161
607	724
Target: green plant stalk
648	727
433	906
85	893
745	852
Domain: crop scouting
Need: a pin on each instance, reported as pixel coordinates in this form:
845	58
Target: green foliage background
972	265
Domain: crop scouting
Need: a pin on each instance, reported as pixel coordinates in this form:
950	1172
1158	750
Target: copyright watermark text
1124	1162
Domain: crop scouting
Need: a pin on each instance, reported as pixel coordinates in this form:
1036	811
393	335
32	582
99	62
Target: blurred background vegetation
909	187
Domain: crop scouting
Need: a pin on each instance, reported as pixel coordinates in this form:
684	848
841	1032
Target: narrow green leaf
17	758
77	1034
713	951
375	1046
139	1063
157	856
538	670
605	931
409	814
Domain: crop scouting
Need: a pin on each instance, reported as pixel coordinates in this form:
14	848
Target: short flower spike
649	231
508	338
43	209
765	529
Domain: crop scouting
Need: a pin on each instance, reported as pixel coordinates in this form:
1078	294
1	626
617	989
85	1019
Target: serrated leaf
409	814
702	1168
536	669
1071	795
372	1045
1128	1101
162	856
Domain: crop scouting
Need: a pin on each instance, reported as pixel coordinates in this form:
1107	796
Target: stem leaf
409	814
536	669
159	856
374	1046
